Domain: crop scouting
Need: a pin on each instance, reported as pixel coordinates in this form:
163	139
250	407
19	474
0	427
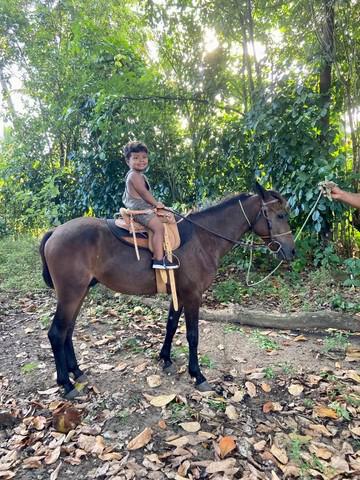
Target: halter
264	212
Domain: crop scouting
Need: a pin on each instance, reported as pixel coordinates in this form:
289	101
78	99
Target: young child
137	196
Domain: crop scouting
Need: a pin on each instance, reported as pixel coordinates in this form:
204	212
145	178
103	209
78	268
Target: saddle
126	221
171	242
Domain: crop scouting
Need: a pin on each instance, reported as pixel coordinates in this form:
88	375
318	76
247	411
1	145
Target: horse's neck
228	222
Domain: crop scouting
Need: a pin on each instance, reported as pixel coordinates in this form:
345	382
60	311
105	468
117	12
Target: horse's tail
45	272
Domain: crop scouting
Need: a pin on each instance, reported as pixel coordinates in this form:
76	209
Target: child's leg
157	227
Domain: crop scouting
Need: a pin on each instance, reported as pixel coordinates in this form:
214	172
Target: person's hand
337	193
159	205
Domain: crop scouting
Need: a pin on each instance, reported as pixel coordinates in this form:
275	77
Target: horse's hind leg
60	334
172	324
71	361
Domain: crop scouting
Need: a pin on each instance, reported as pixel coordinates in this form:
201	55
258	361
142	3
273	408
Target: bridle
264	212
252	246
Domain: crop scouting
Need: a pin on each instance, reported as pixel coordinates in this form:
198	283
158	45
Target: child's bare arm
137	182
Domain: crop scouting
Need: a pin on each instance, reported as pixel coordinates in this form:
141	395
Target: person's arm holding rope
352	199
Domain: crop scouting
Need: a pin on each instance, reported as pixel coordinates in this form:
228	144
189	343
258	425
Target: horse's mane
232	198
219	205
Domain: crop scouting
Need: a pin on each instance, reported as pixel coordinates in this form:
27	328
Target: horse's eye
281	216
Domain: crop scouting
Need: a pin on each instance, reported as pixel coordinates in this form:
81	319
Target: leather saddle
139	235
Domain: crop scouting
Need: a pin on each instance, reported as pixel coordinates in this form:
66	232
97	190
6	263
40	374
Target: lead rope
247	280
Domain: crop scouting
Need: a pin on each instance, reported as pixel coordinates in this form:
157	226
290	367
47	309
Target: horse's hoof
82	379
170	369
204	387
72	394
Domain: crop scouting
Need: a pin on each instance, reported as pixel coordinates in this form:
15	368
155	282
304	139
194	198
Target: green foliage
352	268
20	264
337	341
186	80
340	410
341	303
228	291
263	341
29	367
269	373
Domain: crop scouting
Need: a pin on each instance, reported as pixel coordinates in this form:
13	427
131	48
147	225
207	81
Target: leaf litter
257	424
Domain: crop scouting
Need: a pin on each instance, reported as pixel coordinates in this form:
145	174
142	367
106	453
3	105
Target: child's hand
159	205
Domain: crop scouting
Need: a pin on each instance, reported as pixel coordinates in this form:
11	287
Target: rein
252	245
240	243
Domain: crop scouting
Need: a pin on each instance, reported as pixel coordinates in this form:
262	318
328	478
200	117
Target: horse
83	251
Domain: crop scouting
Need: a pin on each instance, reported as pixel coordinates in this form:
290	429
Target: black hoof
82	379
72	394
204	387
170	369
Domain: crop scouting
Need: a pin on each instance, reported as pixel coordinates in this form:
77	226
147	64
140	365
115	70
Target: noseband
264	212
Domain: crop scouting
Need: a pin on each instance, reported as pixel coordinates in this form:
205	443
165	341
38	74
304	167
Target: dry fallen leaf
66	419
324	412
320	429
55	473
39	422
272	407
259	446
320	451
355	430
191	427
162	400
251	389
238	396
352	354
49	391
226	445
266	387
91	443
353	375
221	466
52	456
179	442
295	389
231	412
140	440
153	381
32	462
279	454
7	475
162	424
140	368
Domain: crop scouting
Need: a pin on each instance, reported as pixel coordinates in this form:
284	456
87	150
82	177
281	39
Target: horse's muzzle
286	253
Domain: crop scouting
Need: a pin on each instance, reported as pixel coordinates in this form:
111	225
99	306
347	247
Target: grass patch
263	341
29	367
20	264
337	341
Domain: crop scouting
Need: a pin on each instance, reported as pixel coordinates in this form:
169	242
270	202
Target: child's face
138	161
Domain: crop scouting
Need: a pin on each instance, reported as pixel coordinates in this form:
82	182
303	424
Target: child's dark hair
134	147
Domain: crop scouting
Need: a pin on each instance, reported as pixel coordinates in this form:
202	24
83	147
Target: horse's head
272	225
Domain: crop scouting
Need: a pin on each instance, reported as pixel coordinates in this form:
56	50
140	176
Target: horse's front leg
192	335
171	327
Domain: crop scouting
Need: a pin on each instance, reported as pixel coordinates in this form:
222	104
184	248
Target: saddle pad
123	234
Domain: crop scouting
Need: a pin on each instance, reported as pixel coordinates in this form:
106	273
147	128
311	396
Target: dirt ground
285	405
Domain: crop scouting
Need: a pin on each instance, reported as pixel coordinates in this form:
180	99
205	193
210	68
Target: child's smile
138	161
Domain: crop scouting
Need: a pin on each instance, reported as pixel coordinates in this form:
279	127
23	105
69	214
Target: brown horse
83	251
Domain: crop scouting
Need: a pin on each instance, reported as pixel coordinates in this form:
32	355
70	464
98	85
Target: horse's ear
260	190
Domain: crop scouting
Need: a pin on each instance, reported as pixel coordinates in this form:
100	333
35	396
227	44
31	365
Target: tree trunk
250	24
328	59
